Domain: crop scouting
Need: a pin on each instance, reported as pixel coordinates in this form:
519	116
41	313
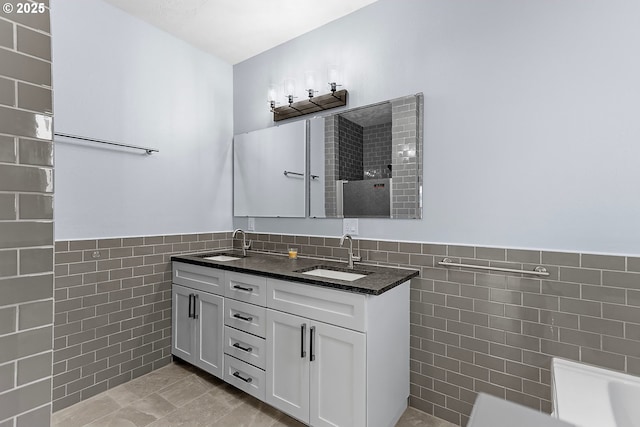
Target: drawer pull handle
191	305
242	288
312	355
246	380
241	317
247	349
303	330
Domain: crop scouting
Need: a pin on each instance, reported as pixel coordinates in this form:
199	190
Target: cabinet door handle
247	349
241	317
242	288
312	355
196	297
303	330
190	305
246	380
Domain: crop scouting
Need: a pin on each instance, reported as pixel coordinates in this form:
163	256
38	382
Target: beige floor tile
140	413
85	412
204	411
122	395
152	382
415	418
179	369
180	395
155	405
287	421
251	413
208	380
125	417
185	390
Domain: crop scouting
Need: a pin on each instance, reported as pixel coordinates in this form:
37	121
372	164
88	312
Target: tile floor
181	395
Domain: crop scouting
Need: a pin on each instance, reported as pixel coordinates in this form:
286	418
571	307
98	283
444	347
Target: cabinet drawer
327	305
244	376
204	279
246	287
246	317
245	347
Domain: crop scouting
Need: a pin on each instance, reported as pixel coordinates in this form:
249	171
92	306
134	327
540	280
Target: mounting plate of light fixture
314	104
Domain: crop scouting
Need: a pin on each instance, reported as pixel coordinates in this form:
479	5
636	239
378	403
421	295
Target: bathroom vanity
325	344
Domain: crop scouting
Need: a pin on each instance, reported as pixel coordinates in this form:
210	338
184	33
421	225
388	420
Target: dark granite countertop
377	280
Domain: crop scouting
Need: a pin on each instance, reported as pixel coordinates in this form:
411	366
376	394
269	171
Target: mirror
269	172
367	162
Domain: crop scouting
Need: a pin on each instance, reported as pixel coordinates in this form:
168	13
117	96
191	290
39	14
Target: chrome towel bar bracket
538	271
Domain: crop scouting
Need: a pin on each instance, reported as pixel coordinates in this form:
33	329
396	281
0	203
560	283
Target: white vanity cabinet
197	328
337	358
325	356
197	318
316	372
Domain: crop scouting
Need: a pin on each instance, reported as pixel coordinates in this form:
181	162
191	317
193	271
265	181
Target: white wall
118	78
532	137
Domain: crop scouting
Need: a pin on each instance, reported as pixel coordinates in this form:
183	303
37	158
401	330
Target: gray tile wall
407	158
26	219
113	310
475	331
349	150
376	142
330	165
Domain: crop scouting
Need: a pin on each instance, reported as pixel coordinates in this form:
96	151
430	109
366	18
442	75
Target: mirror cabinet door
260	159
370	161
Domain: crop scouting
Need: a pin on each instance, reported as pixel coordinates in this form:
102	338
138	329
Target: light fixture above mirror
312	103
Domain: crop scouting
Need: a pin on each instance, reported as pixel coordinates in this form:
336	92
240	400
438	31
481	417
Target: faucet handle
248	245
356	258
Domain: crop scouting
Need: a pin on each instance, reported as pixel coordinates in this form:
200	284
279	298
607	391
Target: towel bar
538	271
100	141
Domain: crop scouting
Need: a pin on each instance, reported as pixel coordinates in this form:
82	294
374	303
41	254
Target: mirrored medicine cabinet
365	162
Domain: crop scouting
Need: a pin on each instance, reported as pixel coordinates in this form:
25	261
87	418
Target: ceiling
235	30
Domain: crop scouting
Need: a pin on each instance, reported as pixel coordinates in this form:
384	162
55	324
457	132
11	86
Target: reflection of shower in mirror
378	143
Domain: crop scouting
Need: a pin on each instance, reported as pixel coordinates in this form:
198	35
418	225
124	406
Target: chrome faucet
352	257
245	245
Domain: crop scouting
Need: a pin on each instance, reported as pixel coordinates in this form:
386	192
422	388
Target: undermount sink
221	258
588	396
334	273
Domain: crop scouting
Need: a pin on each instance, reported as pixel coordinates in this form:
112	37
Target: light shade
272	92
310	80
334	74
289	87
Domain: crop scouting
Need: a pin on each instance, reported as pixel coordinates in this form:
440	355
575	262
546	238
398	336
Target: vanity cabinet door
209	317
288	364
183	333
338	376
316	372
